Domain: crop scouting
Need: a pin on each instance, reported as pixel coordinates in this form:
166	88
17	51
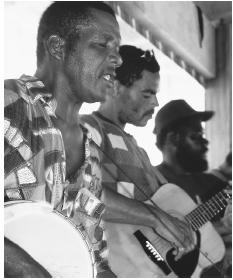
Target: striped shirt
35	162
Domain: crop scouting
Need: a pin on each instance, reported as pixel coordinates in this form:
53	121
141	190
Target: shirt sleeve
108	168
17	151
95	128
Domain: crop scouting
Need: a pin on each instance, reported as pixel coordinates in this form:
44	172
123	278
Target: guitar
137	251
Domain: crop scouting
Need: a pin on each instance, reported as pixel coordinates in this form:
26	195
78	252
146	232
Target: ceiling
216	11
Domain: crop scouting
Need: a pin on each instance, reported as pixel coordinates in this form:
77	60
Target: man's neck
110	111
174	165
66	105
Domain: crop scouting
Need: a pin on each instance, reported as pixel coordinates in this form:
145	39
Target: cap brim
204	116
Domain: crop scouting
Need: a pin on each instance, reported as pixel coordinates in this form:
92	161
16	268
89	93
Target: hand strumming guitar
120	209
177	231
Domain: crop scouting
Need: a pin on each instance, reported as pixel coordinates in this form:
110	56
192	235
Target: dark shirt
204	185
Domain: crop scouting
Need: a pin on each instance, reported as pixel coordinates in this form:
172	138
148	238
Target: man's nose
154	101
115	58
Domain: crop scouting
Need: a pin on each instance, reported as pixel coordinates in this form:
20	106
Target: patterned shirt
35	167
126	167
127	170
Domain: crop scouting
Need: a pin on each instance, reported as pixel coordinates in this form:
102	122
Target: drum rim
85	238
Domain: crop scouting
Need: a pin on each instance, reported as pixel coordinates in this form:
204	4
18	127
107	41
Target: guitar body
129	259
211	244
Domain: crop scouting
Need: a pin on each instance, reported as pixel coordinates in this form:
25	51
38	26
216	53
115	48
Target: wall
175	25
219	98
174	28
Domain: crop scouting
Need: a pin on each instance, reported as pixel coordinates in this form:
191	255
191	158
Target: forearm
120	209
17	263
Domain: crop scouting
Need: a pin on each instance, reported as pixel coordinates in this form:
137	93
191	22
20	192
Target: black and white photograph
117	139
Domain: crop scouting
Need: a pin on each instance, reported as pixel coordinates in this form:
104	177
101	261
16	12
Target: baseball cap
177	110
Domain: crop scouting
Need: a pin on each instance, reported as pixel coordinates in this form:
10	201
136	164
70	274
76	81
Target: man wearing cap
180	138
179	132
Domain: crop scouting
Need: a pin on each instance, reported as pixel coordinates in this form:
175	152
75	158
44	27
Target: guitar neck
208	210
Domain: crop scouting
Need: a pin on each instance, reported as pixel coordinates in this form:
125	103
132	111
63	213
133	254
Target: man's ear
56	47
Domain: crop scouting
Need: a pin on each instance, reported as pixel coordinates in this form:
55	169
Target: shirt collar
36	88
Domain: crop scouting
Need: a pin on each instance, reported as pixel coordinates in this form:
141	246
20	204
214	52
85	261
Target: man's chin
143	122
139	123
197	166
97	97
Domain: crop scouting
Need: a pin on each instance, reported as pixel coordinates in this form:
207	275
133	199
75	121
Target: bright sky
20	29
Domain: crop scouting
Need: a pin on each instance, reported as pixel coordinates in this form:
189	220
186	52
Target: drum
50	238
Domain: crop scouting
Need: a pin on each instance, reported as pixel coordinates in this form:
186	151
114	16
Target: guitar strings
147	206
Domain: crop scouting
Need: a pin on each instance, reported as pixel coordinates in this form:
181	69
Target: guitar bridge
155	253
152	253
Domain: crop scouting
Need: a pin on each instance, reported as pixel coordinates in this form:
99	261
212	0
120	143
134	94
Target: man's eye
103	45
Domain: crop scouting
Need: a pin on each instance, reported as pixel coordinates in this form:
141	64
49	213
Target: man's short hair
66	19
135	60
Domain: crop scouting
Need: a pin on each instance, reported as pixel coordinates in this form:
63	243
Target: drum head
50	238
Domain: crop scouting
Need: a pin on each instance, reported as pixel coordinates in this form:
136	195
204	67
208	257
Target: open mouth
110	78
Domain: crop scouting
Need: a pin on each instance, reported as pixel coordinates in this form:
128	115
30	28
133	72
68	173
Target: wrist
156	216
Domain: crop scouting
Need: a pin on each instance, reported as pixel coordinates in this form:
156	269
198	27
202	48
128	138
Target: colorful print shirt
35	166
